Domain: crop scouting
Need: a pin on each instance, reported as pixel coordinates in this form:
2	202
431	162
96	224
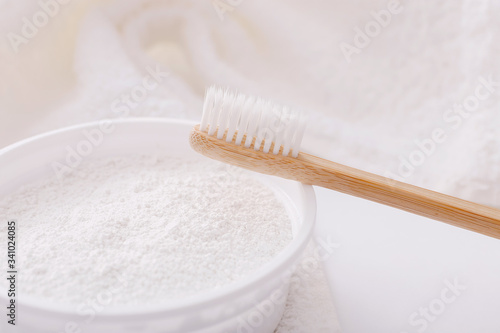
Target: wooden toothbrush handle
313	170
461	213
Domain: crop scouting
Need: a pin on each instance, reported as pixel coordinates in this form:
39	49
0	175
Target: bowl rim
202	300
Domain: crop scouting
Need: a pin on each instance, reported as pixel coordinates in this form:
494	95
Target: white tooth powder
143	229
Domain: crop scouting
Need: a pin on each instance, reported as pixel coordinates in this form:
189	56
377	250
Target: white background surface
390	263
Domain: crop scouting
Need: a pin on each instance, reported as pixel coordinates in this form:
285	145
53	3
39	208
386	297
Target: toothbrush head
252	122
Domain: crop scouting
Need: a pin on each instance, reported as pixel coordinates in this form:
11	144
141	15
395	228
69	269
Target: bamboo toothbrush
264	137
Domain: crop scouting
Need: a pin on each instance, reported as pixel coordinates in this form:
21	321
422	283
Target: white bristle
253	122
234	119
266	132
225	114
282	114
264	125
207	107
228	112
244	119
213	118
299	134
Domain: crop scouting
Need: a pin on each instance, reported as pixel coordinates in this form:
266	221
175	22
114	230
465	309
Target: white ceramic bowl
253	304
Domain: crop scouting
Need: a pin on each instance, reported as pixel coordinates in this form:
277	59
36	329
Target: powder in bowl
143	229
